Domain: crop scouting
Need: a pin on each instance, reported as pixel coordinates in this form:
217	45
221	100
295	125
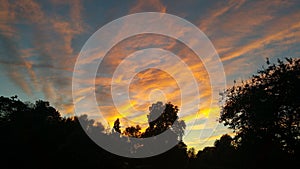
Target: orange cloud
238	29
69	28
145	82
30	11
261	42
151	5
219	11
18	78
232	25
7	17
51	48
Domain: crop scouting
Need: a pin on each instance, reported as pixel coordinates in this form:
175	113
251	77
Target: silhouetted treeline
263	111
36	136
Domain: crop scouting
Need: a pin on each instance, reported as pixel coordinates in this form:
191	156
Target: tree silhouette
133	131
117	126
164	117
267	106
225	152
225	142
264	110
32	132
191	152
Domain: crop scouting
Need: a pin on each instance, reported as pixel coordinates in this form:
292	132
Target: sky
40	42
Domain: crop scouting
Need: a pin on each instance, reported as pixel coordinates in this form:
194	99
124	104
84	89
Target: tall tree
117	126
164	117
265	110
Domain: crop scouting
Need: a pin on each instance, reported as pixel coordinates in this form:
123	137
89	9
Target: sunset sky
41	40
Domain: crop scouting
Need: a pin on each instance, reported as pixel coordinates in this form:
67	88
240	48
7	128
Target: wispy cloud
217	12
35	40
246	32
148	6
40	42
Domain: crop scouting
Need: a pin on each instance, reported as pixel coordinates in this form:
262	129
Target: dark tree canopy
164	117
133	131
266	108
117	126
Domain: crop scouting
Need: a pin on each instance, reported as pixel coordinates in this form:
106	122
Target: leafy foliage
37	132
133	131
164	117
265	109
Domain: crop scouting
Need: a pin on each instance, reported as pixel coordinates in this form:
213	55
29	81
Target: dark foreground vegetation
263	111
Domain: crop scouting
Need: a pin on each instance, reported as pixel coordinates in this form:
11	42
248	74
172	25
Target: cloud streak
151	5
41	40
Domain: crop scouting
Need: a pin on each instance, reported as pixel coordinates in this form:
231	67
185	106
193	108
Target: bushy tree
164	117
133	131
265	110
